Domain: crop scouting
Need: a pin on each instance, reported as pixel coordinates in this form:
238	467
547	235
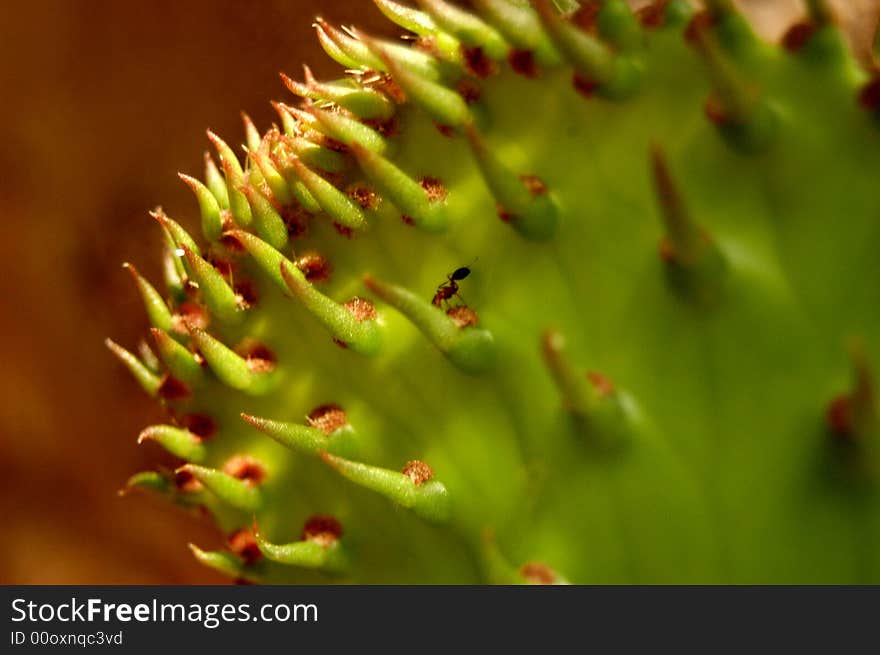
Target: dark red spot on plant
172	389
186	482
245	468
322	529
365	196
478	63
469	90
418	472
463	316
869	96
328	418
387	128
445	130
715	111
534	184
314	267
201	425
839	416
296	219
523	62
698	26
584	86
503	213
798	35
246	292
232	244
361	309
243	543
434	189
538	574
667	250
190	314
343	230
391	88
226	267
585	17
260	358
653	16
330	143
426	43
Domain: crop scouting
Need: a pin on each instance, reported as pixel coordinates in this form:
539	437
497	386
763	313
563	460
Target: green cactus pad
552	296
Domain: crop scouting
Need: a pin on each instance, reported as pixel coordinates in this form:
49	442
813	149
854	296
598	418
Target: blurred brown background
102	103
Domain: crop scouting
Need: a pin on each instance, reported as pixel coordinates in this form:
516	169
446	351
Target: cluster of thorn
299	171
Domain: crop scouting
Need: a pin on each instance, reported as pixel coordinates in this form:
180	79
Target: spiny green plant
670	228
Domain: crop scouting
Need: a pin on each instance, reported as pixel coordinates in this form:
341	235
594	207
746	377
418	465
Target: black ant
450	288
